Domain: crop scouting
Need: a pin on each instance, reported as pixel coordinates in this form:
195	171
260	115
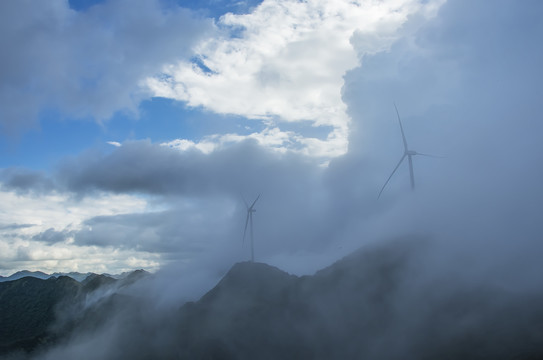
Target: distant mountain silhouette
74	275
24	273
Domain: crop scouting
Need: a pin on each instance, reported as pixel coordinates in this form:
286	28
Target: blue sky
209	8
130	130
159	119
56	134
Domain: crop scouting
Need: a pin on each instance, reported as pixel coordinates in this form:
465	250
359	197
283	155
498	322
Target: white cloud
272	138
62	257
286	64
62	213
59	211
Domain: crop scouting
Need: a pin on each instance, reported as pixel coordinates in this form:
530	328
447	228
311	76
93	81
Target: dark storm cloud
203	197
86	64
182	232
141	166
204	193
52	236
25	181
15	226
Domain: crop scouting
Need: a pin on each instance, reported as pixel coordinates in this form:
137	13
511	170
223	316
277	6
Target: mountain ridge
369	304
356	308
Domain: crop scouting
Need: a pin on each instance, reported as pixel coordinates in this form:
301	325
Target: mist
467	85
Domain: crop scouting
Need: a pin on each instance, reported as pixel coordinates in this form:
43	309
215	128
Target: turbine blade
393	171
246	223
254	202
411	173
430	155
245	202
401	128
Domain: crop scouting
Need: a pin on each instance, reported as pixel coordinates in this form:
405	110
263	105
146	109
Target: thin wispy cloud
114	143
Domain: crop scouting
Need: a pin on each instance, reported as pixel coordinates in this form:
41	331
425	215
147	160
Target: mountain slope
35	312
27	309
258	311
367	305
377	303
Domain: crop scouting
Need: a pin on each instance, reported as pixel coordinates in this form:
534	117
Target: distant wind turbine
407	153
250	210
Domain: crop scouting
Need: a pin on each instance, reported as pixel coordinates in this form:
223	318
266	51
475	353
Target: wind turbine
250	210
407	153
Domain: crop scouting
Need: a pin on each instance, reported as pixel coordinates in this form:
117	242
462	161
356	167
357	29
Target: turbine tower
250	210
407	153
